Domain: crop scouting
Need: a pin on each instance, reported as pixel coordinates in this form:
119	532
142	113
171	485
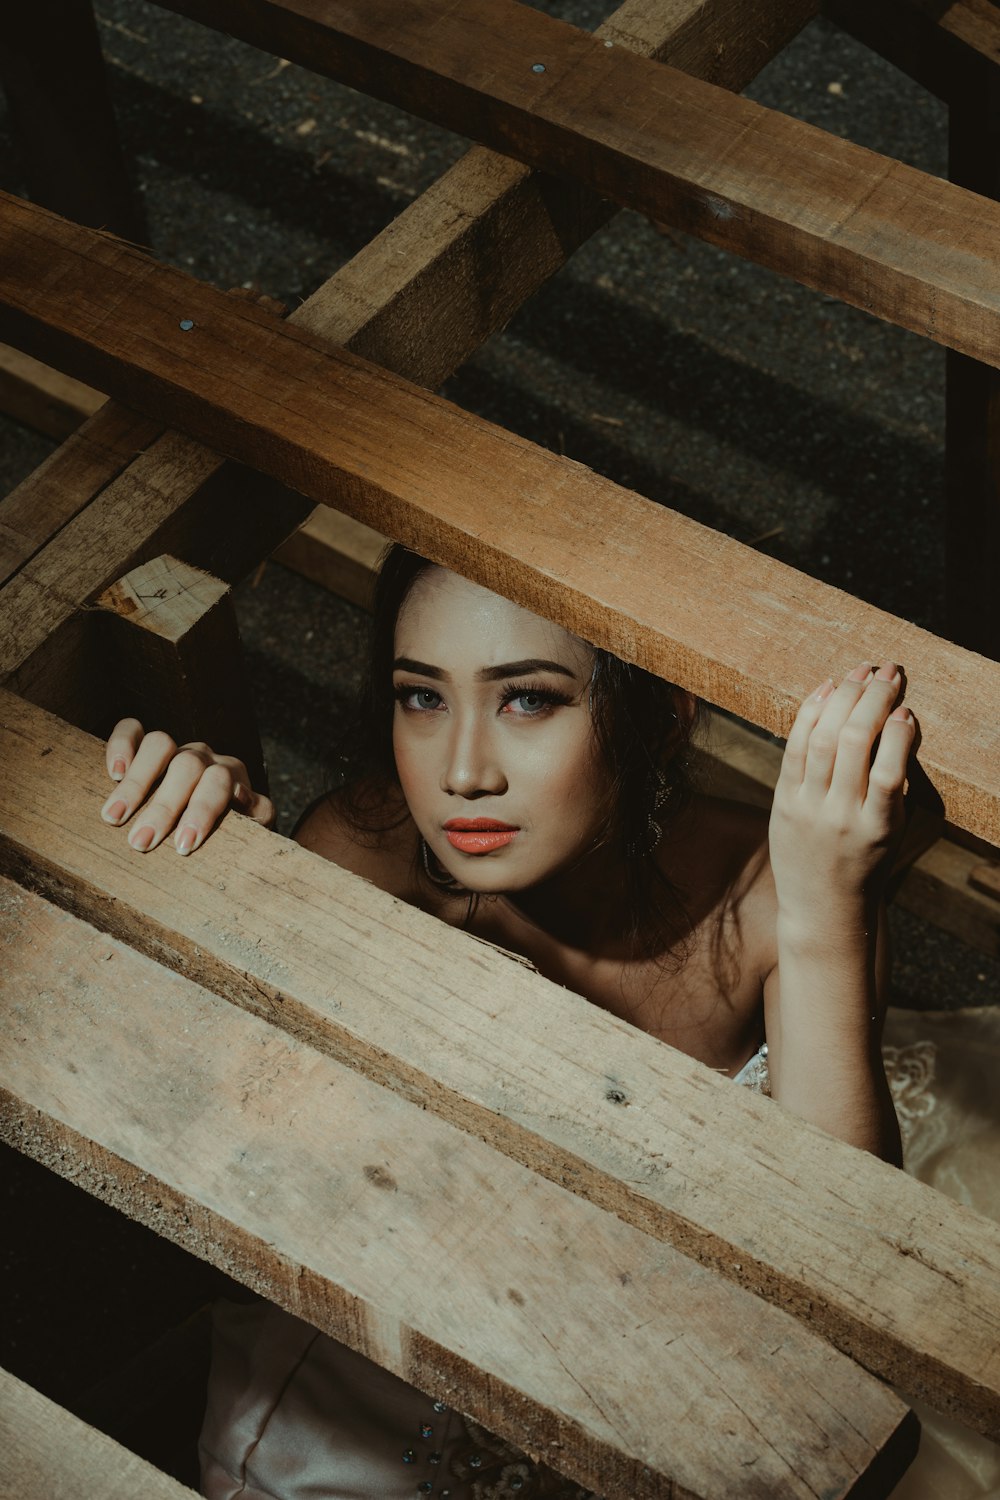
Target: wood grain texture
172	657
61	487
972	401
460	260
730	760
734	627
46	1453
880	235
617	1359
427	291
904	1280
43	399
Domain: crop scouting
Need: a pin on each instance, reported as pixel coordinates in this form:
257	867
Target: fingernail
118	771
887	672
241	794
824	690
142	838
902	714
113	812
861	673
185	840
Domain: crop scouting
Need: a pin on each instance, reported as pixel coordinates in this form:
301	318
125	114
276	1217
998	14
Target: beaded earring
438	876
660	792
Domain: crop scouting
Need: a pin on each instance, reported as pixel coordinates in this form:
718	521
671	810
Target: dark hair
643	728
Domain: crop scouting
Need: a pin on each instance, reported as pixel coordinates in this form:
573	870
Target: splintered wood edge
273	928
216	1128
739	629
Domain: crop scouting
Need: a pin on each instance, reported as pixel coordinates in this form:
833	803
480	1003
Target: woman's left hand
837	808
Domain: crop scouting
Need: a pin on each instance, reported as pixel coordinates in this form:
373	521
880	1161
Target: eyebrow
487	674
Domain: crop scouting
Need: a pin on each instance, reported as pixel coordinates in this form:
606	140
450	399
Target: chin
486	874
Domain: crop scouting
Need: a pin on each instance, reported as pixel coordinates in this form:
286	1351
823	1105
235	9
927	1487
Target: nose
472	766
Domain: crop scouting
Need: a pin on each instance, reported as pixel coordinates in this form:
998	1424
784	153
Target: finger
793	762
119	752
253	805
888	772
167	805
824	740
151	760
207	801
860	731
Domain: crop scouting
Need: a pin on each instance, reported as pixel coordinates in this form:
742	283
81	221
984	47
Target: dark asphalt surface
716	387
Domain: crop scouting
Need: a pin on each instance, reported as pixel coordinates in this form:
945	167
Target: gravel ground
772	413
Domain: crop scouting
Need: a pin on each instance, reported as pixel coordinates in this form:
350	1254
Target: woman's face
493	737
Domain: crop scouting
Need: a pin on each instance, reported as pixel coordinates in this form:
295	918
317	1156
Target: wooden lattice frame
219	925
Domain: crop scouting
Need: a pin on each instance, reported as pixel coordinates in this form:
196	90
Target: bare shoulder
731	836
385	856
731	842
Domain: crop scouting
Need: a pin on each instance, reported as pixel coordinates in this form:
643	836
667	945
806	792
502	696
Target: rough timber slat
904	1280
441	254
65	484
736	628
41	398
505	1295
46	1453
882	236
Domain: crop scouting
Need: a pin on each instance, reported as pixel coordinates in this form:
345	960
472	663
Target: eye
530	702
418	699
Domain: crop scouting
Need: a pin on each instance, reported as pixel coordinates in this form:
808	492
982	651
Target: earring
438	876
660	792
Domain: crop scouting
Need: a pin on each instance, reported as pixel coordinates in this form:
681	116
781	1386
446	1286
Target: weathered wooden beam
973	396
955	51
619	1360
171	656
878	234
877	1263
46	1453
734	627
450	270
64	485
41	398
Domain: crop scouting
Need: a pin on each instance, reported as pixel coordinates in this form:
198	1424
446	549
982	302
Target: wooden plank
935	878
973	398
986	878
62	486
462	258
935	883
94	510
736	628
171	649
878	234
48	1454
54	79
618	1359
338	553
44	399
440	254
876	1262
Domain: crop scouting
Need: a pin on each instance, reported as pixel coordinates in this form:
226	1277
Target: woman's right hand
188	788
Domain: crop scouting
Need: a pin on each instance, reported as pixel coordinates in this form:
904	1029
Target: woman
526	786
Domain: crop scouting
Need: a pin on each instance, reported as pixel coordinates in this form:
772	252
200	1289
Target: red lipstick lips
478	835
